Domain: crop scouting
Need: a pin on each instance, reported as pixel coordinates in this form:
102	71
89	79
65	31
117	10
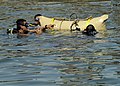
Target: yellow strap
52	21
88	21
31	25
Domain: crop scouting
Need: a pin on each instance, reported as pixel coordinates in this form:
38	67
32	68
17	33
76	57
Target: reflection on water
59	58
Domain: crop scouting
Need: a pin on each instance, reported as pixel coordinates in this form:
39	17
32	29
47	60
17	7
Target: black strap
76	26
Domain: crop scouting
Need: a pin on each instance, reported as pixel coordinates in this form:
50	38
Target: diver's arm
50	26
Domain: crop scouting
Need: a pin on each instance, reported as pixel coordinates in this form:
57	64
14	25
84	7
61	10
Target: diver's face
24	27
24	23
37	20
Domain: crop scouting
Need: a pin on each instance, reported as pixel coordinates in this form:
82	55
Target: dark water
60	58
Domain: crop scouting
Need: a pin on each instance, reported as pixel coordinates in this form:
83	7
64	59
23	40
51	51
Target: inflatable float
79	24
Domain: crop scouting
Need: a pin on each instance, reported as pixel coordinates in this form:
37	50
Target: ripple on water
59	58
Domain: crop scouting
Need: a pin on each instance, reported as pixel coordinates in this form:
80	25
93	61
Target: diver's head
37	19
21	22
90	30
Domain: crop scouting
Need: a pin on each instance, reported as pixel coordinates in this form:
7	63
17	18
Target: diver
36	23
22	28
90	30
25	27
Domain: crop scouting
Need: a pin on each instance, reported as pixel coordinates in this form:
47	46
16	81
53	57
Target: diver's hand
50	26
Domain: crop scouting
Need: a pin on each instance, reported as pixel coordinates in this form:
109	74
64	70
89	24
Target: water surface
59	58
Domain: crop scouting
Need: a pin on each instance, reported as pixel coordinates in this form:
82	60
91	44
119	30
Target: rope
72	15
